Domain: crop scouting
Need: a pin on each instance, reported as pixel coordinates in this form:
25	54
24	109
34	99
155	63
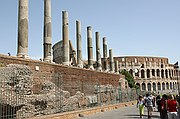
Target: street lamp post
177	74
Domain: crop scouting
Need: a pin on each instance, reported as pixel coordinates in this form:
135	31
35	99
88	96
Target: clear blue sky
132	27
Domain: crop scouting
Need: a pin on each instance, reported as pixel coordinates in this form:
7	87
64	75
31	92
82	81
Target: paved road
130	112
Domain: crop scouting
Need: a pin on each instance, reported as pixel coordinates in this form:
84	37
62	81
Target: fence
21	97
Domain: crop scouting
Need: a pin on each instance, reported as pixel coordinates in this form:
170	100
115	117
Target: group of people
168	105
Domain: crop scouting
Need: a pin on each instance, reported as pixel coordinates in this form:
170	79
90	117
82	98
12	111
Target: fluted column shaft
22	50
47	31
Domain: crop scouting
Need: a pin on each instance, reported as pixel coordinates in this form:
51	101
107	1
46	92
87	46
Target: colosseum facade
151	73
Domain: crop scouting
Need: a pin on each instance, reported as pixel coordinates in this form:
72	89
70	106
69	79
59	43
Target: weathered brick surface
73	78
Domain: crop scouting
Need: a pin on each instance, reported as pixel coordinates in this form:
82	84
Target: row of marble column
22	50
47	40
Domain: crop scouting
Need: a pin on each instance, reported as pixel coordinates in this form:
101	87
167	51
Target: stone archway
142	74
149	86
131	72
143	86
167	86
171	87
137	84
159	86
166	73
148	73
162	73
153	72
163	86
154	86
158	72
169	73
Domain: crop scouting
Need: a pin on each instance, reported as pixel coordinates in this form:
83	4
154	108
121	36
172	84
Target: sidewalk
130	112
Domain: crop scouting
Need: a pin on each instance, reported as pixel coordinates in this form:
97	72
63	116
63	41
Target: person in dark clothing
158	99
163	107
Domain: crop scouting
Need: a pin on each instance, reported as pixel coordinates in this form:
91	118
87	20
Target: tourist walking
172	108
158	100
149	104
178	101
163	107
140	104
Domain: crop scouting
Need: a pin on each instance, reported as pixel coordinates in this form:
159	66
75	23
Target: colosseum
150	73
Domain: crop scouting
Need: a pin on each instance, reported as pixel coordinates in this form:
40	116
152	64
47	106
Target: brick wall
71	79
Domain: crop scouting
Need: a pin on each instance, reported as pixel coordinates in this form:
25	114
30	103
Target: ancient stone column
90	47
22	50
65	34
111	61
116	67
105	63
47	31
98	54
79	44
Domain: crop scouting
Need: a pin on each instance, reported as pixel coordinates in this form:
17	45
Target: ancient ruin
47	31
22	50
16	94
154	74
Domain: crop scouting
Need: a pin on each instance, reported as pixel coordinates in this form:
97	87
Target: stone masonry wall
71	79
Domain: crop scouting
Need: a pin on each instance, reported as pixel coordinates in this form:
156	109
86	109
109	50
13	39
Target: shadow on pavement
133	116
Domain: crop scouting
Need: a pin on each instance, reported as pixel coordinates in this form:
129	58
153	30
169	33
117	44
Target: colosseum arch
131	72
163	86
153	72
137	84
149	86
143	86
154	86
162	73
158	73
166	73
159	86
142	74
148	73
167	86
171	85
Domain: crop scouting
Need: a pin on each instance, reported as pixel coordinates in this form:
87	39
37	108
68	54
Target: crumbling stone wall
16	95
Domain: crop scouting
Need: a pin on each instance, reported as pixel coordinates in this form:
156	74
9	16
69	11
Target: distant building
58	53
153	74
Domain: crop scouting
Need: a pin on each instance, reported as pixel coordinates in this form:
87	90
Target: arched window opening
159	86
167	86
143	86
163	86
154	86
148	73
162	73
142	74
149	87
137	84
166	72
171	85
153	72
131	72
158	73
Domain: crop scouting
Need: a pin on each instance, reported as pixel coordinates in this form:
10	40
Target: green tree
129	78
